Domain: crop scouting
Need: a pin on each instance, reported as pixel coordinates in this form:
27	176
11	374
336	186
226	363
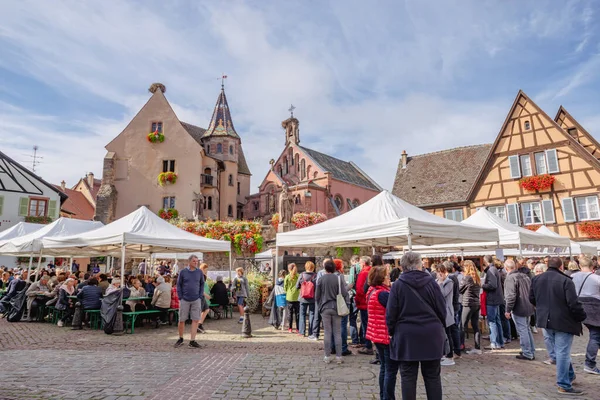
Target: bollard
77	317
246	326
118	327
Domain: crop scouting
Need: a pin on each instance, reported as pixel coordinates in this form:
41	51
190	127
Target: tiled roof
341	170
442	177
221	123
77	205
242	164
195	131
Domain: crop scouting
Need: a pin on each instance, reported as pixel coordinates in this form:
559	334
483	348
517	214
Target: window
297	161
256	205
230	180
303	168
526	165
208	149
297	200
498	211
527	125
210	202
230	210
315	174
532	213
308	172
587	208
205	202
355	203
238	188
231	149
157	127
168	202
285	166
540	163
219	148
454	215
280	170
37	207
339	202
168	165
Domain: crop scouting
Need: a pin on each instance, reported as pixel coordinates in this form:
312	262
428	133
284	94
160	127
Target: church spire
221	123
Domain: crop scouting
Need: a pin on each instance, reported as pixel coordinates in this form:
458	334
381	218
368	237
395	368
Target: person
355	267
361	304
560	313
377	331
395	273
494	297
539	269
64	303
136	290
175	268
447	286
328	287
470	287
174	297
240	291
572	268
306	298
161	300
219	293
190	289
205	300
15	286
103	284
292	292
454	271
115	285
5	280
149	285
507	332
516	295
74	266
141	269
339	270
587	285
34	292
91	295
415	318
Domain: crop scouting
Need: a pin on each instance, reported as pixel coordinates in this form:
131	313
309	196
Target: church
174	167
316	182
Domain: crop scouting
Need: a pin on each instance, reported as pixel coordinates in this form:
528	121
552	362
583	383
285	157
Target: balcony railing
206	180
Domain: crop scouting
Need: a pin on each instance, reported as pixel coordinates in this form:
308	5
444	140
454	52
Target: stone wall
106	201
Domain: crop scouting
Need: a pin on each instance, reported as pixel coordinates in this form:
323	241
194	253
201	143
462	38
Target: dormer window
157	127
527	125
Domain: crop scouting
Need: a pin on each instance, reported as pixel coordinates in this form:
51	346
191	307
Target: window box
38	220
168	213
538	182
156	137
590	229
167	177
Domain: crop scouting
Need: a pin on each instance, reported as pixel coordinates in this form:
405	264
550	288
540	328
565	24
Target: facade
455	183
211	176
317	182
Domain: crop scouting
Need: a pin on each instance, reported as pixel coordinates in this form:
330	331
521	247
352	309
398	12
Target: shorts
189	309
240	300
204	304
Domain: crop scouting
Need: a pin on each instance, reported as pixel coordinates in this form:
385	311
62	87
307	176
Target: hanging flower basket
590	229
38	220
167	177
533	228
168	213
156	136
275	221
302	220
538	182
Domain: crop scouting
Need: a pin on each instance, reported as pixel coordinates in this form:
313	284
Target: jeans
457	321
505	324
454	340
408	379
561	342
344	331
496	338
364	320
293	311
304	307
354	334
471	314
385	381
592	347
525	336
316	323
332	326
549	345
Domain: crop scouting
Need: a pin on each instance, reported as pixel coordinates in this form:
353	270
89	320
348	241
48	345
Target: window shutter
552	160
23	206
1	204
513	213
568	210
548	210
52	209
515	168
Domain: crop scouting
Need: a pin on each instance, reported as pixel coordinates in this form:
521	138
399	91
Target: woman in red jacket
377	331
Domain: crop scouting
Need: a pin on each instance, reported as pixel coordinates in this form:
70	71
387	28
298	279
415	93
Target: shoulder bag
342	307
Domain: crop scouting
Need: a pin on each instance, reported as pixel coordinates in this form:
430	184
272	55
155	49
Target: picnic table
126	299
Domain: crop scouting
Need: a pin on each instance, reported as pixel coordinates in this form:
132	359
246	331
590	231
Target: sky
368	79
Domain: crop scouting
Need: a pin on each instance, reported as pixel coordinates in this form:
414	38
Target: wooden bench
130	317
95	320
214	307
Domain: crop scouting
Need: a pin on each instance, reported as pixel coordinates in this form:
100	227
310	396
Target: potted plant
167	177
538	182
156	137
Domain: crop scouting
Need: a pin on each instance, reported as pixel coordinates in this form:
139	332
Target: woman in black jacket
470	288
219	293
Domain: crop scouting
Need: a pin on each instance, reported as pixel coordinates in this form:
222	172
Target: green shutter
23	206
52	209
1	204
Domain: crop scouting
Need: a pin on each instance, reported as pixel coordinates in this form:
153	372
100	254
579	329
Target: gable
576	131
18	179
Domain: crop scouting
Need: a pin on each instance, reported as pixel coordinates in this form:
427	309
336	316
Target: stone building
161	162
317	182
455	183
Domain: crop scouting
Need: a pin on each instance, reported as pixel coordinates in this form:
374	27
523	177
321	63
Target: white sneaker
534	329
593	371
327	360
60	323
339	360
447	361
474	351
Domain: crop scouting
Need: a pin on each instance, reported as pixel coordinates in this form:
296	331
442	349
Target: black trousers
293	313
409	370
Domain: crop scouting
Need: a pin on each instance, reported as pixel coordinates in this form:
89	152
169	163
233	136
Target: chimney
90	179
63	186
404	158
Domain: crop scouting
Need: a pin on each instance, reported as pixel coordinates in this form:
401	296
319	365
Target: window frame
341	205
159	126
168	166
219	148
452	211
526	157
524	215
499	206
230	211
230	180
231	149
527	125
38	200
576	201
543	154
167	201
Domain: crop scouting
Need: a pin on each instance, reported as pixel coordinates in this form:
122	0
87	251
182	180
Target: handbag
342	307
446	341
591	306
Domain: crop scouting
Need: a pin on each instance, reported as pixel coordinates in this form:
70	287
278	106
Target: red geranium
538	182
590	229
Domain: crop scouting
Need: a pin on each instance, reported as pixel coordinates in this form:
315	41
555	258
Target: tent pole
276	261
122	268
37	277
373	249
409	242
29	269
70	264
230	266
520	250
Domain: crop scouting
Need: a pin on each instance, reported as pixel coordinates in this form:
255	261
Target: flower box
302	220
245	236
538	182
590	229
38	220
168	213
167	177
156	137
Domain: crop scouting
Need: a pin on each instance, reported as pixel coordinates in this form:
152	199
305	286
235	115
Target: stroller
15	306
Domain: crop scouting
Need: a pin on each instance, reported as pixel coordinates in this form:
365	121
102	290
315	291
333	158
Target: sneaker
313	338
474	351
327	360
357	345
200	329
368	352
570	392
447	361
346	353
550	362
60	323
179	342
290	330
375	361
241	320
339	360
593	371
522	357
165	323
194	344
492	348
534	329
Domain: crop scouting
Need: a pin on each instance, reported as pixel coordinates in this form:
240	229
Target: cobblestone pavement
42	361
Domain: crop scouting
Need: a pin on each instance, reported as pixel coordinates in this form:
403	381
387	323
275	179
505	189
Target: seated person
91	295
104	284
219	293
86	279
64	303
115	286
35	291
136	290
14	287
161	300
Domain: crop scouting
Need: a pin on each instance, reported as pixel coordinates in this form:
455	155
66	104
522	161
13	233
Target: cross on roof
291	109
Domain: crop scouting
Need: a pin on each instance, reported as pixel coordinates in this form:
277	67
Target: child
280	301
240	291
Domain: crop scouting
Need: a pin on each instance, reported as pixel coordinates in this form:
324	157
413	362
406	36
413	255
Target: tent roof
576	248
32	242
142	232
20	229
385	220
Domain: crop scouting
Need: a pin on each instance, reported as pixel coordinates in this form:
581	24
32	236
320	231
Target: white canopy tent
511	236
575	247
20	229
139	234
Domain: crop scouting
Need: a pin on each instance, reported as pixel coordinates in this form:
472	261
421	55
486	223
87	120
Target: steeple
221	123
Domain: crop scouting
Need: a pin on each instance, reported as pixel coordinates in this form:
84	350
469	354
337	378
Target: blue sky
369	79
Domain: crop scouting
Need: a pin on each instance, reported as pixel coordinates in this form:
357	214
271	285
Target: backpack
455	291
307	289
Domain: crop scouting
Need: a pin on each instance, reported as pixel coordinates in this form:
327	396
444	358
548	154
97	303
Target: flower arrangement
533	228
275	220
167	177
38	220
156	136
168	213
590	229
245	236
25	260
302	220
538	182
